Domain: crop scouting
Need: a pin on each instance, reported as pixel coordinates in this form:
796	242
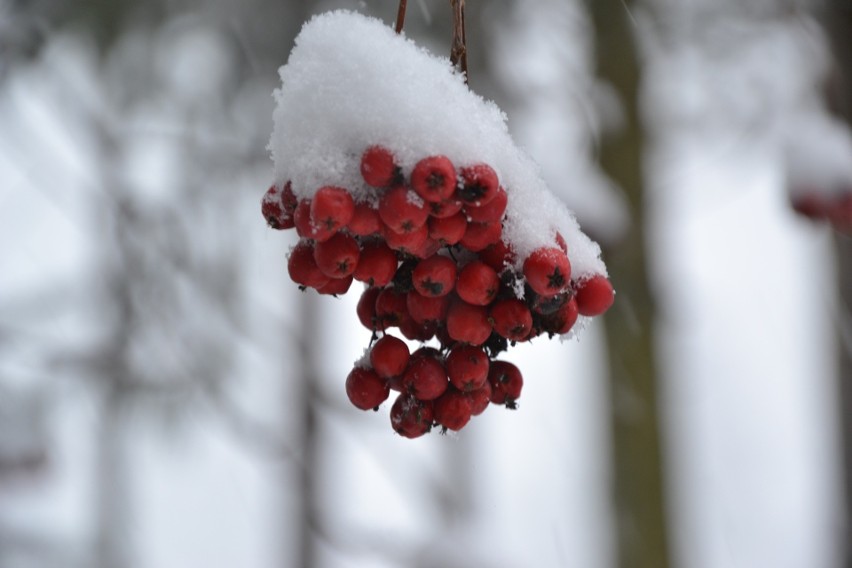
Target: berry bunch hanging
428	246
411	186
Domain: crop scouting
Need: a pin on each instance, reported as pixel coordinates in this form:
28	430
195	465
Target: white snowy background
152	156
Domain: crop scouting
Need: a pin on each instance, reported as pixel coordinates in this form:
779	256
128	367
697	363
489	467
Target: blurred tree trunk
838	20
305	522
638	477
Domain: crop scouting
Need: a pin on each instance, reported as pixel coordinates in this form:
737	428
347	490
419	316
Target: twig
400	16
458	51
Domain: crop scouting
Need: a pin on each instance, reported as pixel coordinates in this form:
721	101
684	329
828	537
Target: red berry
441	209
506	383
434	276
434	178
479	184
468	323
453	409
547	271
561	321
478	236
377	166
366	389
332	208
365	220
594	295
411	417
444	338
425	378
467	367
415	331
426	351
427	249
424	309
477	283
410	242
389	356
491	211
338	256
305	227
289	199
376	265
448	230
366	309
303	268
402	210
480	398
390	307
274	211
336	286
498	256
512	319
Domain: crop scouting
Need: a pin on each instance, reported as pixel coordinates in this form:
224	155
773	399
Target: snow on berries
393	173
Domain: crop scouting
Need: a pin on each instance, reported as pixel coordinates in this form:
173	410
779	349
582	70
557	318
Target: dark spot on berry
434	180
472	192
556	280
434	288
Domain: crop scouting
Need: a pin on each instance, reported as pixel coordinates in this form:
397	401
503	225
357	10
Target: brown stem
458	51
400	16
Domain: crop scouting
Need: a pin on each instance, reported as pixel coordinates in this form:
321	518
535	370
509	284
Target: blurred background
169	399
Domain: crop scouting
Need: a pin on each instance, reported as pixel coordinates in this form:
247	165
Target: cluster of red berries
430	250
835	209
